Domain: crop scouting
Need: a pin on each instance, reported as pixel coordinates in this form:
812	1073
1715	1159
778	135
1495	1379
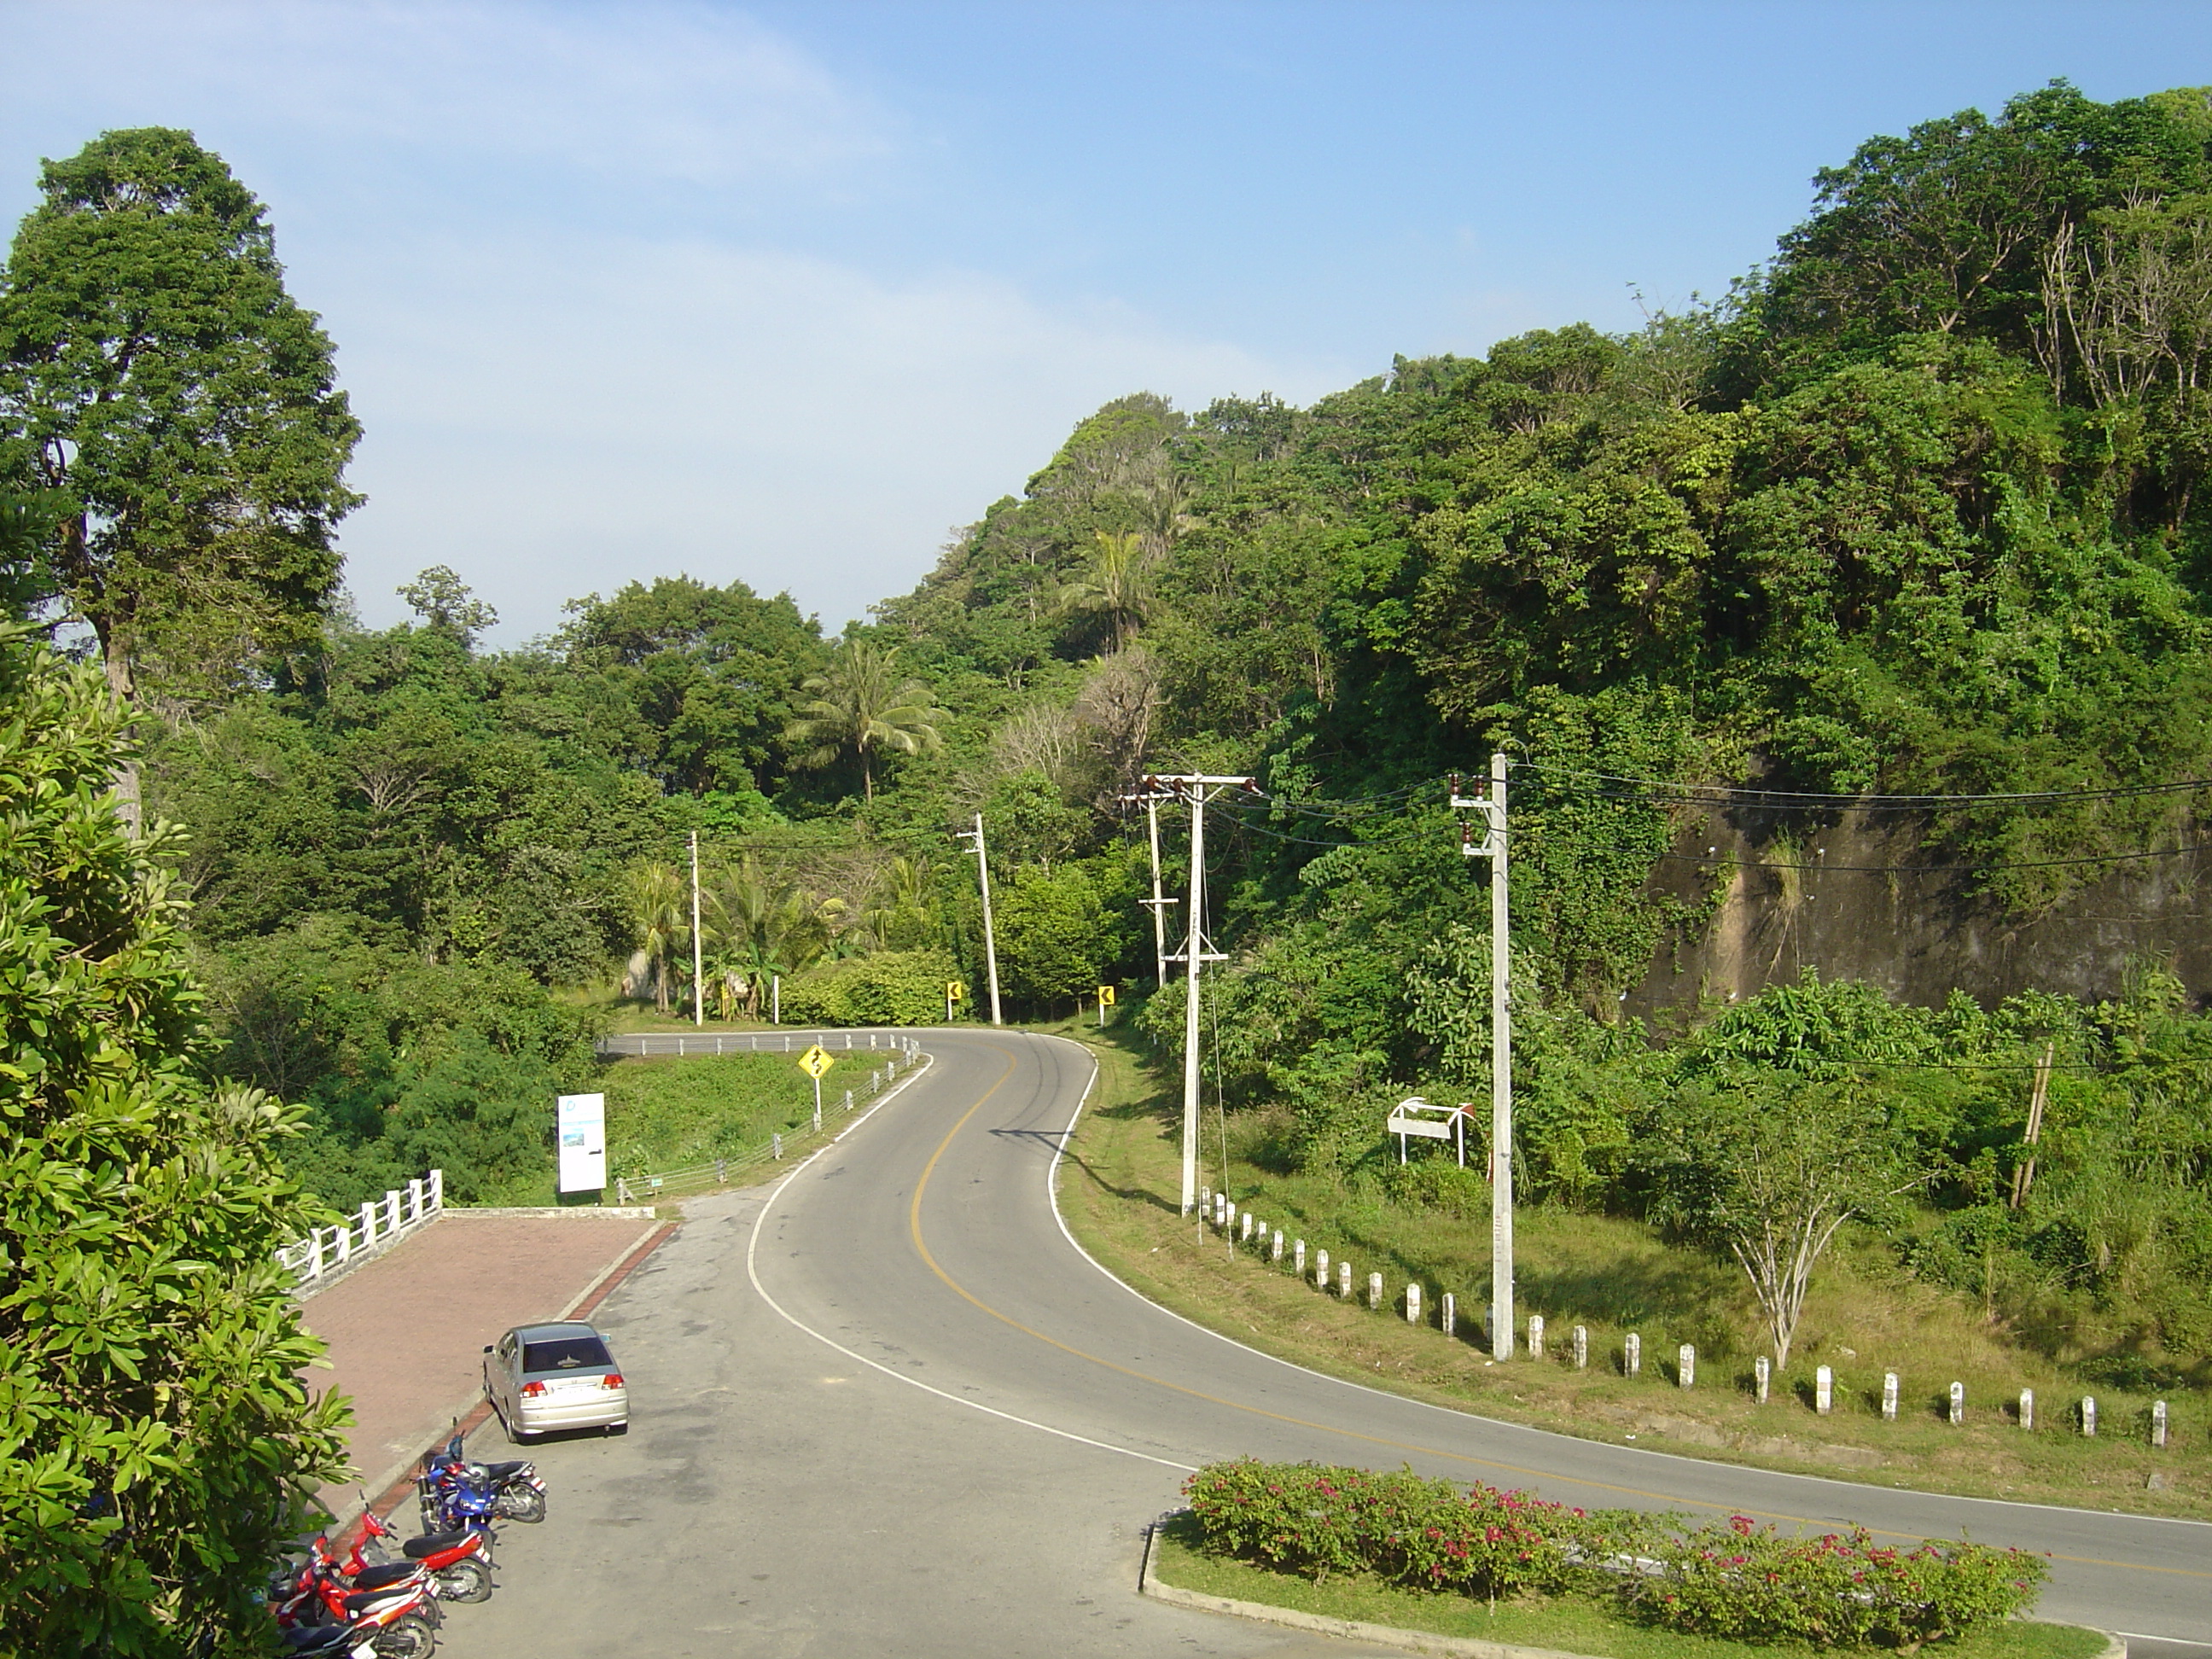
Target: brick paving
406	1332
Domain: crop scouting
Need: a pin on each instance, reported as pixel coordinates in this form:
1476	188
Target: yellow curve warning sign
815	1061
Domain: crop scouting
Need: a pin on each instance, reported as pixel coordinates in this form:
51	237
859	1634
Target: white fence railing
381	1221
787	1041
897	1055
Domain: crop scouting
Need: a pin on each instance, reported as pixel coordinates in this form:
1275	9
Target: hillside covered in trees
1916	510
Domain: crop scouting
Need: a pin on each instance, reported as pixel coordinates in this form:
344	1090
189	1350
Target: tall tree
1116	583
864	706
179	408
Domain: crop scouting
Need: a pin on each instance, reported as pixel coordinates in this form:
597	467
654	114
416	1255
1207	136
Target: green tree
1054	941
160	1444
160	384
863	706
448	603
654	899
1116	583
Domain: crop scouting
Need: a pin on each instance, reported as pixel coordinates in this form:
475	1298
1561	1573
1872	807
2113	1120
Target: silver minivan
541	1378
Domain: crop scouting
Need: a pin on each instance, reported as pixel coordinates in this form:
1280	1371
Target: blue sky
783	292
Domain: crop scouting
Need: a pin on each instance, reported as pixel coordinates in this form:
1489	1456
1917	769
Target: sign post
582	1125
1406	1119
814	1062
1105	1001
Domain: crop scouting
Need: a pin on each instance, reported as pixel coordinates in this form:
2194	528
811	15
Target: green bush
1731	1579
889	987
1728	1579
1314	1521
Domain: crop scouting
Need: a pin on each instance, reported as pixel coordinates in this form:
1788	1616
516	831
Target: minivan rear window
565	1353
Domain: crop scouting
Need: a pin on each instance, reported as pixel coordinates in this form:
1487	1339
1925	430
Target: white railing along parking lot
381	1222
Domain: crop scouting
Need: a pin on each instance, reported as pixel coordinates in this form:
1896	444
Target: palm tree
659	914
764	927
862	705
1117	582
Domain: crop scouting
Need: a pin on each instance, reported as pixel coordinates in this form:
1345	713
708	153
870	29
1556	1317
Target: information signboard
583	1141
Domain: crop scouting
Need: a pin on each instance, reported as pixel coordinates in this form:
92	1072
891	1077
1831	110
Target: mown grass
1120	1190
666	1112
1568	1624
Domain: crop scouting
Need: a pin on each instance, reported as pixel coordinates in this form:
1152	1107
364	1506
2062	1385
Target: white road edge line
752	1272
1052	1196
2175	1641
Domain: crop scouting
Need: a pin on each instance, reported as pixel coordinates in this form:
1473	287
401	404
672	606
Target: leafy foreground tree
156	1445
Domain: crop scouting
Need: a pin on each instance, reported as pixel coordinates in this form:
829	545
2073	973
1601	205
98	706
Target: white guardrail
381	1223
786	1041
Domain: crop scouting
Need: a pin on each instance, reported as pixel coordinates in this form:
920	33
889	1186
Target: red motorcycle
458	1563
393	1609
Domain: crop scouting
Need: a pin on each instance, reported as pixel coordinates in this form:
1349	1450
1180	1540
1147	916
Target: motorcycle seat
320	1639
501	1471
371	1578
433	1544
361	1601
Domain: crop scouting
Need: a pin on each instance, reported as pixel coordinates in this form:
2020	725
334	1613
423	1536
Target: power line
1718	794
1933	869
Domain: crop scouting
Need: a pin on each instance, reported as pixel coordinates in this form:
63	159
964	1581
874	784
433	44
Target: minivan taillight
532	1390
611	1380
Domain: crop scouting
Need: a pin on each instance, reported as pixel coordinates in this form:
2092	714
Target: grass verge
1119	1190
1568	1624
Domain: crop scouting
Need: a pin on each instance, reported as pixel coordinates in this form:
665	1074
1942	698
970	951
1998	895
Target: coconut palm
762	927
862	705
1116	583
659	911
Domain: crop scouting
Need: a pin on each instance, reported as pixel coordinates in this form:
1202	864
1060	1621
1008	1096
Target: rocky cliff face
1860	910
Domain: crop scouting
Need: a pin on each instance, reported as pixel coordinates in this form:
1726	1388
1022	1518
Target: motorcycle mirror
487	1348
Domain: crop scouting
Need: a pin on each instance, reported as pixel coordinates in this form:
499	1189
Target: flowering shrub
1729	1579
1308	1519
1734	1579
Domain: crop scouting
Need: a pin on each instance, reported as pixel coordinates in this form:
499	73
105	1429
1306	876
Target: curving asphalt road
896	1382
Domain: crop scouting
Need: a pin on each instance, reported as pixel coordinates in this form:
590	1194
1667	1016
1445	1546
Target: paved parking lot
406	1332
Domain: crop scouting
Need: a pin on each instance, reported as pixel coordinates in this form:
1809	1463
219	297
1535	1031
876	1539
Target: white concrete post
1958	1402
1632	1355
1448	1316
1344	1281
367	1223
1535	1336
1374	1292
2158	1423
1247	1228
2028	1409
1581	1347
437	1189
1298	1259
1275	1254
775	1144
1412	1304
2088	1417
1762	1376
1685	1361
622	1190
344	1242
1824	1391
1889	1396
415	1199
1205	1200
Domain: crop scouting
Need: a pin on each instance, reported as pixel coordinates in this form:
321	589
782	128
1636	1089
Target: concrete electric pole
698	945
990	938
1493	847
1196	788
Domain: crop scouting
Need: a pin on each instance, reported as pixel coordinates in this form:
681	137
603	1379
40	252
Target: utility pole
1194	788
1156	904
990	939
1493	847
698	946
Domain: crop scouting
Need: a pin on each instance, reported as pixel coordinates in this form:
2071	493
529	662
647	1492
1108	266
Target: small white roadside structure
1416	1117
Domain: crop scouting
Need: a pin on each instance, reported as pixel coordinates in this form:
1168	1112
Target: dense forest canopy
1918	508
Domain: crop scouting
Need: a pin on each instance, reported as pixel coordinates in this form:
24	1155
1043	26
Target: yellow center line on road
921	1248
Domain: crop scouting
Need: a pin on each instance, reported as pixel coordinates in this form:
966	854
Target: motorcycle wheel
524	1503
405	1637
467	1580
